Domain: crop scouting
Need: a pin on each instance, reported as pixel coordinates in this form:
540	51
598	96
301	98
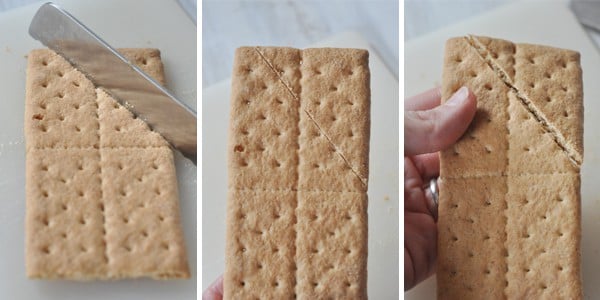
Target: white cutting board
549	23
383	279
160	24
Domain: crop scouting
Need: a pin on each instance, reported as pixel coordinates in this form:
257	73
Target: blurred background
229	24
188	5
424	16
10	4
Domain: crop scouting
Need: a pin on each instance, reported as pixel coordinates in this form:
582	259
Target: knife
106	68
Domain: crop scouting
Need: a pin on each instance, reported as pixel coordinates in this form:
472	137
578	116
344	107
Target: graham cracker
483	140
543	244
524	197
298	174
471	258
101	188
332	245
260	262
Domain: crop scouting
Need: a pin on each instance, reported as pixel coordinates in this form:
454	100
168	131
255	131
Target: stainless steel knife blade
106	68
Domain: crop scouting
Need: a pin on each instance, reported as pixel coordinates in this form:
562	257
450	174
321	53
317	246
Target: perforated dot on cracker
298	169
101	189
509	224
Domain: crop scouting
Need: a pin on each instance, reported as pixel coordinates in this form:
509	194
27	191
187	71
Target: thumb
436	129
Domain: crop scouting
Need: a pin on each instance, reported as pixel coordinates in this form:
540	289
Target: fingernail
458	97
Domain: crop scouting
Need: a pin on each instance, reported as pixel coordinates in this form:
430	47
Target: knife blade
106	68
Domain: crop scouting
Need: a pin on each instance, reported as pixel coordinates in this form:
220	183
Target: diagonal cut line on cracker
558	137
337	149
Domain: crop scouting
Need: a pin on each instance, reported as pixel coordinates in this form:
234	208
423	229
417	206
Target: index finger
424	101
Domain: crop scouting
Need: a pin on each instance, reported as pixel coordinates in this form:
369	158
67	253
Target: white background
228	24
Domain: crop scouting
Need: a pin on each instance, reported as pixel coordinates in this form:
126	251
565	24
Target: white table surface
228	24
425	16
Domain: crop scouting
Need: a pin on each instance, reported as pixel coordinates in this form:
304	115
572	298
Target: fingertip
470	105
455	116
438	128
464	102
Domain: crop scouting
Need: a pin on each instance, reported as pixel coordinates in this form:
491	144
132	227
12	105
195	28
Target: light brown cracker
539	71
551	79
332	245
543	255
336	94
64	221
120	128
482	152
102	203
531	185
142	220
321	166
61	104
264	131
548	81
148	60
259	231
535	151
471	256
284	63
290	158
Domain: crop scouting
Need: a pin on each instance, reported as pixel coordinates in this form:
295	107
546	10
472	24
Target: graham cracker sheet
298	174
101	188
509	214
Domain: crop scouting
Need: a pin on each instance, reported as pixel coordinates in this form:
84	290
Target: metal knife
106	68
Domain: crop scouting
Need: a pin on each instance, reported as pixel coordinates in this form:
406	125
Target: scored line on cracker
560	140
362	180
504	174
101	200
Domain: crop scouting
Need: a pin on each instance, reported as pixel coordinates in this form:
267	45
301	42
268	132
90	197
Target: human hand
214	290
428	127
